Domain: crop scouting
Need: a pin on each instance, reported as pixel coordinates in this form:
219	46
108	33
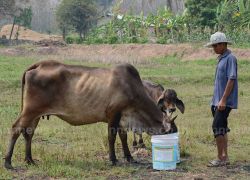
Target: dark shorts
220	121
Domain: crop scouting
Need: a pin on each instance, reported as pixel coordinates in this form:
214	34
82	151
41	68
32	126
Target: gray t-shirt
226	69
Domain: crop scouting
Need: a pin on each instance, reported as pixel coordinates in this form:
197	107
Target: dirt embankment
131	53
26	34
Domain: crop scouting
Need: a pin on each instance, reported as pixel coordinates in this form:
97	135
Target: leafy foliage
25	17
137	29
121	29
234	14
202	12
77	14
196	24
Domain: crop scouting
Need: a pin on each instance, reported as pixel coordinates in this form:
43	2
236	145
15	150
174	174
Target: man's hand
221	105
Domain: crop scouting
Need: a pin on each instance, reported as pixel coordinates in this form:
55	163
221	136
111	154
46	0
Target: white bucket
165	151
178	147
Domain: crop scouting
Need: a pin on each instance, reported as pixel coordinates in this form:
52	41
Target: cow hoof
130	159
135	148
114	163
8	165
30	161
134	143
142	145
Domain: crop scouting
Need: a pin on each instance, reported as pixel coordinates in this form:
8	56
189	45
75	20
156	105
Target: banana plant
244	12
234	14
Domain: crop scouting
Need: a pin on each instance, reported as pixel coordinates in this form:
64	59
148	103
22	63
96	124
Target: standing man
225	96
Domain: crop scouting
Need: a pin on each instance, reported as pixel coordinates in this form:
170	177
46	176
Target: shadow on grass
247	168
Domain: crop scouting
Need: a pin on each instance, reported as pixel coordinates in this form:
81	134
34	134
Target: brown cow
167	100
83	95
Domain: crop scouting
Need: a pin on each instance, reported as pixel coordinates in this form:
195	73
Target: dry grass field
66	152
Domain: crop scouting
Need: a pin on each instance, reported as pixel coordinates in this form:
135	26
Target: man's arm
229	87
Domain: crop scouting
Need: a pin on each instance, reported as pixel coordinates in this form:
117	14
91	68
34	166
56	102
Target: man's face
220	48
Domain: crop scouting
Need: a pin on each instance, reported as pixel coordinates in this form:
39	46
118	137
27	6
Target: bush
112	39
69	40
161	40
79	14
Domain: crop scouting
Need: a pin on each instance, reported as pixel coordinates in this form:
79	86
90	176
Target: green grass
81	152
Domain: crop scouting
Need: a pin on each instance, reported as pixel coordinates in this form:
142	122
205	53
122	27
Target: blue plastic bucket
164	152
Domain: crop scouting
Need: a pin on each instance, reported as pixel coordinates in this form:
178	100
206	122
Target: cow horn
172	120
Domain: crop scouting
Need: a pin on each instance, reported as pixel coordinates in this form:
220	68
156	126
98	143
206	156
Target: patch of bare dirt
120	53
27	34
52	47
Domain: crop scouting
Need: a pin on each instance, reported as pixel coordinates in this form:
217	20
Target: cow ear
180	105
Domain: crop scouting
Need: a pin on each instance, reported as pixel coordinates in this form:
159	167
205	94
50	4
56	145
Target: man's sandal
218	163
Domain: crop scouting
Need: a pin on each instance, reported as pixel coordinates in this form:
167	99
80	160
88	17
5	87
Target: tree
25	17
202	12
79	14
6	7
11	7
20	16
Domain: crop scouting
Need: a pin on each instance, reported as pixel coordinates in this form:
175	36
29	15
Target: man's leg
220	142
225	154
220	130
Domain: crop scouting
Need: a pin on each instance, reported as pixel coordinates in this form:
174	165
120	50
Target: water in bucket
165	151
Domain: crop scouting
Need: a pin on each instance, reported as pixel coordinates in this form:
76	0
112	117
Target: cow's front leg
123	137
112	131
134	141
141	143
112	137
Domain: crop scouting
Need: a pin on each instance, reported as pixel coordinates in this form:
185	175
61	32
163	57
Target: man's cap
216	38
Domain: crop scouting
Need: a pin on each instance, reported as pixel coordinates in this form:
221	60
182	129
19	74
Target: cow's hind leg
15	133
28	134
18	127
123	137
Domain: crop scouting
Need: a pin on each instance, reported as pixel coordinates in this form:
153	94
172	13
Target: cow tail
34	66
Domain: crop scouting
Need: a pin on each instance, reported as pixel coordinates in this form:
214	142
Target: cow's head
168	101
138	121
168	125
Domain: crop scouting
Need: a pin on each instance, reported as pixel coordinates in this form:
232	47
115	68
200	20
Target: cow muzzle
167	120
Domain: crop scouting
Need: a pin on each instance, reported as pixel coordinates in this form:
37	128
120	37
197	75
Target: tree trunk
143	6
64	33
14	21
17	32
81	35
169	4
